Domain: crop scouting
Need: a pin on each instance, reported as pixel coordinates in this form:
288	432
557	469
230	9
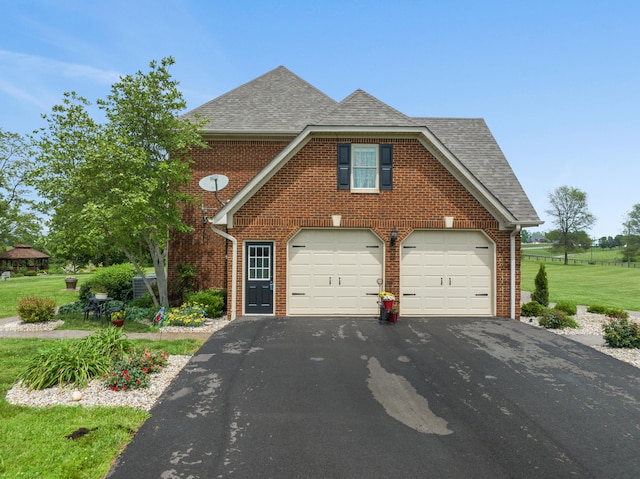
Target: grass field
13	289
587	284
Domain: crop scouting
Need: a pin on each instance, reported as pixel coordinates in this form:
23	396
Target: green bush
541	292
531	309
138	314
620	333
144	301
35	310
118	279
65	362
567	307
213	301
71	308
31	273
597	309
556	319
617	313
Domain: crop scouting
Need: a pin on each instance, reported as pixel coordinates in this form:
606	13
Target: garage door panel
447	273
337	273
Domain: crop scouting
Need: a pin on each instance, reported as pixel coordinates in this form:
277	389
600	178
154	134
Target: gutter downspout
234	264
512	238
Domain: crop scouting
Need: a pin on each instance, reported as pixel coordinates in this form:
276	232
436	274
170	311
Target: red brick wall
423	193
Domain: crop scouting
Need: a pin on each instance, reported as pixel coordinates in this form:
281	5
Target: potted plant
100	292
392	316
118	317
71	282
387	300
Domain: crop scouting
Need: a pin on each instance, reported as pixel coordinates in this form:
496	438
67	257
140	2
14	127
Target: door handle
329	279
339	281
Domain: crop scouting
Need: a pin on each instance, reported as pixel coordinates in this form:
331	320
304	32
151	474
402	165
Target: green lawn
53	286
587	284
33	441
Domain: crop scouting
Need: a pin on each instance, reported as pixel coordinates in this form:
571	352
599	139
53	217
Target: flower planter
387	304
71	283
101	295
392	317
117	322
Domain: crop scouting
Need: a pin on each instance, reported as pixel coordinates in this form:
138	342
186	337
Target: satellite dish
213	183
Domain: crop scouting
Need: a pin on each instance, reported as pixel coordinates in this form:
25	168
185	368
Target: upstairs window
365	168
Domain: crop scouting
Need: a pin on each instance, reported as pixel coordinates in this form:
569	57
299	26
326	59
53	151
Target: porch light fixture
336	220
394	236
448	221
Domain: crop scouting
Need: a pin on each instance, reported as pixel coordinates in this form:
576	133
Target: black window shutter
344	166
386	167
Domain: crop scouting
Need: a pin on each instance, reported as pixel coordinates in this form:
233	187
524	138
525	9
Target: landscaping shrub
556	319
133	372
617	313
144	301
65	362
34	310
597	309
541	292
531	309
620	333
567	307
107	354
213	301
138	314
183	284
31	273
117	279
71	308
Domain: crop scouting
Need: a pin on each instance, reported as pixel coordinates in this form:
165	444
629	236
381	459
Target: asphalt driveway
355	398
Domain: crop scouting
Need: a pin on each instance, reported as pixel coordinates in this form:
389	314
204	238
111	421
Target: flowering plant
189	314
133	372
99	289
122	314
386	296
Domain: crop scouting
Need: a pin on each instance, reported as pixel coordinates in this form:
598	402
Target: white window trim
355	189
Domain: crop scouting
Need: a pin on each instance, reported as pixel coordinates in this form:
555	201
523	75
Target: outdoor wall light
336	220
448	221
394	236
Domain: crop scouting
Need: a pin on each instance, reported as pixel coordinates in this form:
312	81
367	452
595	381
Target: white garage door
334	271
447	273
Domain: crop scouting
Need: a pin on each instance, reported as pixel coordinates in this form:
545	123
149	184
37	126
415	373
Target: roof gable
278	102
471	141
362	109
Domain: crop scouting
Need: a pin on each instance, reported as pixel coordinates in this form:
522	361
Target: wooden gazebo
23	256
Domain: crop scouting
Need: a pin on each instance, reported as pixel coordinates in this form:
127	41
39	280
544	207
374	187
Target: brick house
328	203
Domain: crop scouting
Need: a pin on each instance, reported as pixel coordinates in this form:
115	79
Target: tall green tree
571	215
18	222
120	182
632	234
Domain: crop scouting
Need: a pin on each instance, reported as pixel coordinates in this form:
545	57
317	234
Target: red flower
137	381
127	378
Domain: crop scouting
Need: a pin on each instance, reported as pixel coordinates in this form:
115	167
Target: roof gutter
512	238
234	264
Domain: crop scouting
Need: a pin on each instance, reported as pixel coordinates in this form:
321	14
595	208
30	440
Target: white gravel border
591	325
97	394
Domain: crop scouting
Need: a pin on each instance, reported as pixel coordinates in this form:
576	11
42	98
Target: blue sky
558	82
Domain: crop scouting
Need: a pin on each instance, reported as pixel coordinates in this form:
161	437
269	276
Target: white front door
334	271
448	273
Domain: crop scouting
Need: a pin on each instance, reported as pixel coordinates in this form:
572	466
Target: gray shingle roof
279	102
471	141
276	102
362	109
